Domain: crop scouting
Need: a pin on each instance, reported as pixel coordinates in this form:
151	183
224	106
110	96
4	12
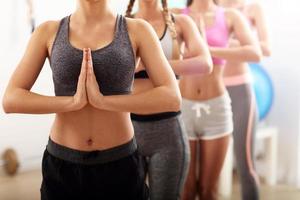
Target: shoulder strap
185	11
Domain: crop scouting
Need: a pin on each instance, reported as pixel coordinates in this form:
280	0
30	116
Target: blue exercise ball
263	88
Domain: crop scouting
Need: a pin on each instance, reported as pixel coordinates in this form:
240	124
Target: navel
90	142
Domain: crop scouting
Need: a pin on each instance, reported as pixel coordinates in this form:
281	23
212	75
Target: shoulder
184	21
232	13
254	9
140	31
46	31
135	24
176	10
48	27
254	6
138	27
181	18
234	17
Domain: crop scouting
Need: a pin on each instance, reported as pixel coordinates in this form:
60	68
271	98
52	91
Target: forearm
241	54
265	48
26	102
159	99
189	66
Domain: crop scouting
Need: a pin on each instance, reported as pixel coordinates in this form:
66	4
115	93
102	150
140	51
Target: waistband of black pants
154	117
92	157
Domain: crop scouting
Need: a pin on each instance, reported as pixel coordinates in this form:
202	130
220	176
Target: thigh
165	174
121	179
60	179
244	111
190	187
168	166
192	173
216	120
189	118
244	118
212	155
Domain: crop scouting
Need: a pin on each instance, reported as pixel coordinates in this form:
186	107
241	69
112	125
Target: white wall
28	134
284	19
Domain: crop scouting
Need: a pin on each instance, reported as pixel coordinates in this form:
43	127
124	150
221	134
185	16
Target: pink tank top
217	35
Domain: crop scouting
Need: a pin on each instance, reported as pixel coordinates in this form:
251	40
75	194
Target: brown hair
189	2
170	23
129	8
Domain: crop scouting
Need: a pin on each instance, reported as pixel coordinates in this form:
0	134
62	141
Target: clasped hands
88	91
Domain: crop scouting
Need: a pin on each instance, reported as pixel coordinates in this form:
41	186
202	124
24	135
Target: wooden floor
26	187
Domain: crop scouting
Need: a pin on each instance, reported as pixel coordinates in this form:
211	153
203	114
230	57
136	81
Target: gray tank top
114	64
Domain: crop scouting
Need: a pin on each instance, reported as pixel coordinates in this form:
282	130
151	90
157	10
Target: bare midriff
236	69
91	129
203	87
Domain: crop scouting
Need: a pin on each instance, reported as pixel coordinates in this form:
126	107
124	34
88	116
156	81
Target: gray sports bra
114	64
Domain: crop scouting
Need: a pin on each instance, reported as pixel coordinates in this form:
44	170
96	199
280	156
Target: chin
149	1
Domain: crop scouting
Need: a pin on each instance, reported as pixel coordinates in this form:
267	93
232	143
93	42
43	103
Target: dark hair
189	2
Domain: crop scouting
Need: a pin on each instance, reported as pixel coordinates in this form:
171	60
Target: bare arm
199	59
248	51
262	31
18	98
165	96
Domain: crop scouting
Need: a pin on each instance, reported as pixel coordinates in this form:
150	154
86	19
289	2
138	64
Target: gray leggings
245	119
164	144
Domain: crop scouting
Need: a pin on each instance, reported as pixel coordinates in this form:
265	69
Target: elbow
256	55
175	104
265	48
10	102
210	66
266	52
7	104
205	65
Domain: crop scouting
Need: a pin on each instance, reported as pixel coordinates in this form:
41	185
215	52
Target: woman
161	137
206	106
238	82
91	152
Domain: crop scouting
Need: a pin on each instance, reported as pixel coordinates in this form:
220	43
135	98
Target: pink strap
186	11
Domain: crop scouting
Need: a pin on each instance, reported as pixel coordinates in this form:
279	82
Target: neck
93	10
202	5
149	9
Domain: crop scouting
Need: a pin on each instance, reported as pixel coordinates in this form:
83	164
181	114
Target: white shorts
208	119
